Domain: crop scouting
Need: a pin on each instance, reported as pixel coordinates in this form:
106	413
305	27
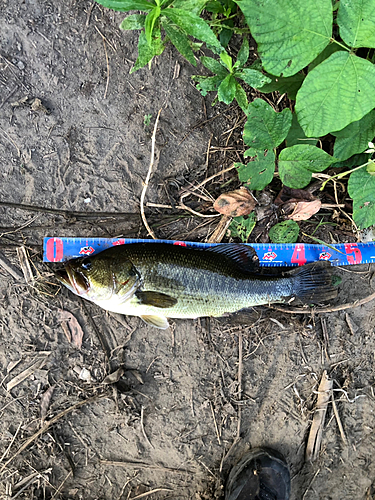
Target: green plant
336	78
284	232
322	55
225	82
179	20
147	120
223	12
241	227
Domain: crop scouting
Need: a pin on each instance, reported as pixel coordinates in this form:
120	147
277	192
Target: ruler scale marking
57	249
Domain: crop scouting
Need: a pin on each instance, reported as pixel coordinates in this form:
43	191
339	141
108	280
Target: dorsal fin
244	256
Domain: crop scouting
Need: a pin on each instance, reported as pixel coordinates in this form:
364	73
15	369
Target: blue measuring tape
272	255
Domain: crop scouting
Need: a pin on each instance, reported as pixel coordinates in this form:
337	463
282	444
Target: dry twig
215	423
145	185
221	229
147	493
145	465
338	420
240	367
143	429
7	266
316	431
317	310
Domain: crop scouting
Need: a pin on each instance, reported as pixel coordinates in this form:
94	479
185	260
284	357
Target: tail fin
313	282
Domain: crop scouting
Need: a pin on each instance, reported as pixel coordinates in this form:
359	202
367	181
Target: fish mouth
74	281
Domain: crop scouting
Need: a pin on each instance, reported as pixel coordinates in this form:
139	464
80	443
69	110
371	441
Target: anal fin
156	321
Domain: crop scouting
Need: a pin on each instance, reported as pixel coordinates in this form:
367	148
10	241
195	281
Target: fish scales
205	284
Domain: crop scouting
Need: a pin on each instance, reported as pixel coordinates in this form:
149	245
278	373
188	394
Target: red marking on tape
120	241
352	248
325	256
86	251
270	256
54	250
298	256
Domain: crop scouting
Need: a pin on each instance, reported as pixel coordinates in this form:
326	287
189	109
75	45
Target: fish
156	281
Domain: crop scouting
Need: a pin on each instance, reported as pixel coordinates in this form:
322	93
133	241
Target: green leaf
356	19
194	6
296	135
252	77
227	60
284	232
227	90
337	92
145	52
243	54
353	161
289	85
214	66
241	97
257	174
150	23
289	34
125	5
207	83
328	51
226	33
179	40
241	227
361	187
297	163
355	137
265	129
193	25
133	22
214	7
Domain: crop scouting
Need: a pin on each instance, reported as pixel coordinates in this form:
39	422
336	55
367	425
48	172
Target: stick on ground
316	431
145	186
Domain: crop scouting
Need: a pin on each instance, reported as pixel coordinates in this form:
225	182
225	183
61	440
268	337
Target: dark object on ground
262	474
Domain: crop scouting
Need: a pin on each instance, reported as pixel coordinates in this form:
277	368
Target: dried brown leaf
288	194
114	377
235	203
74	327
303	210
45	401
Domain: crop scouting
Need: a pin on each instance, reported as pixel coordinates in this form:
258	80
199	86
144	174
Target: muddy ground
195	397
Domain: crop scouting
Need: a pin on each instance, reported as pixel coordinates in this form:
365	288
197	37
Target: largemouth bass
157	281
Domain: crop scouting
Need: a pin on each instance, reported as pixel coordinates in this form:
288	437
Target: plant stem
343	174
341	44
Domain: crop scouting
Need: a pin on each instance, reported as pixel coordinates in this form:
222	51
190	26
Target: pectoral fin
156	321
156	299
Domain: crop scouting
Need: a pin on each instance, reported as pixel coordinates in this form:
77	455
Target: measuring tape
272	255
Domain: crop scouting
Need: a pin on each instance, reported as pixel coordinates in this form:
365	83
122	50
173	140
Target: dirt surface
195	397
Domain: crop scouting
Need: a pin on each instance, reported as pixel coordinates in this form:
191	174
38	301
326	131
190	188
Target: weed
147	120
321	56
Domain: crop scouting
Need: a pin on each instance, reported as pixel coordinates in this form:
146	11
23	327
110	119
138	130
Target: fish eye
86	264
